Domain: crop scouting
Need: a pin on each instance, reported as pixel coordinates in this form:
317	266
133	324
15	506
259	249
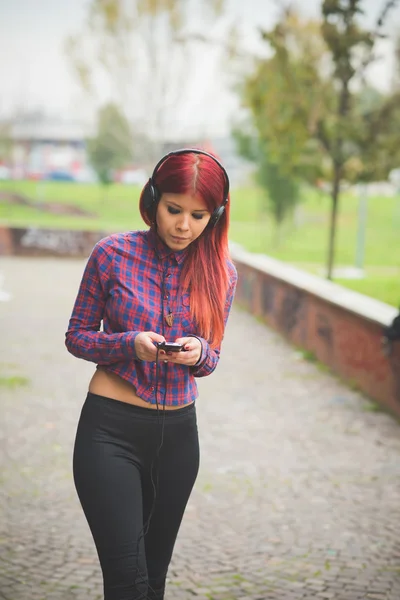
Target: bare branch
377	34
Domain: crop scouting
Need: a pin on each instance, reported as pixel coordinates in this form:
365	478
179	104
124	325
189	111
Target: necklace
169	319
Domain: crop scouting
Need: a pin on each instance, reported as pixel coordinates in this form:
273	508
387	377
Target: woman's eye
175	211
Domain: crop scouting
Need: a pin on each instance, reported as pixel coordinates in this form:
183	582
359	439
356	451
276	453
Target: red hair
205	270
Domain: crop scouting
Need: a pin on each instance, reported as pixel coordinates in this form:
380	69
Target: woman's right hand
144	345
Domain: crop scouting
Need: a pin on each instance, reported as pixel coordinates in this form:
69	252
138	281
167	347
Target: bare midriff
104	383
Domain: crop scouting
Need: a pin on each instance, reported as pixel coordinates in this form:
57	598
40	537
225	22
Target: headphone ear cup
150	199
217	214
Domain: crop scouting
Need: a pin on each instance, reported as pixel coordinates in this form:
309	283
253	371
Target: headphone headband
151	195
194	151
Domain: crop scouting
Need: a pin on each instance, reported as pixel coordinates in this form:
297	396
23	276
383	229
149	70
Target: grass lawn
303	239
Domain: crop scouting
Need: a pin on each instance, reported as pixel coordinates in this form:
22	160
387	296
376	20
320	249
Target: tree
281	191
287	94
111	148
138	48
353	132
307	103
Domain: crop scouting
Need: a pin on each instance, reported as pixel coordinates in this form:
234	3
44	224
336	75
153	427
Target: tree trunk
333	223
278	235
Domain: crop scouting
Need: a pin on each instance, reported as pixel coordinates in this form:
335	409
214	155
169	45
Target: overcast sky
34	72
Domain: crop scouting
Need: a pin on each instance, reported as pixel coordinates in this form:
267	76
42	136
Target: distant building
48	147
45	147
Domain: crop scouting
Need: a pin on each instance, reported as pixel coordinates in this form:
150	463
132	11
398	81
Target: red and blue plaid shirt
122	287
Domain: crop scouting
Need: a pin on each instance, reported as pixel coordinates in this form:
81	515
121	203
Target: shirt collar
161	249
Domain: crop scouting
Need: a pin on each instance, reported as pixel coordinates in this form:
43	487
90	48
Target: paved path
298	495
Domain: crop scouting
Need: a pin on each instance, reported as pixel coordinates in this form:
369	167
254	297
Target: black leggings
114	449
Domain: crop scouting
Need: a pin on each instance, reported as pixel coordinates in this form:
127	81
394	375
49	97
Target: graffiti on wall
54	241
291	312
324	328
268	293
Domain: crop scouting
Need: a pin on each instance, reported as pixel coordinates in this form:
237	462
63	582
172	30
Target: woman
134	470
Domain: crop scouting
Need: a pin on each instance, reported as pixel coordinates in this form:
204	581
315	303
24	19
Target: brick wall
36	241
341	328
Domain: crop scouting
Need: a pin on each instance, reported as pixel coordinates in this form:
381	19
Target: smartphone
170	346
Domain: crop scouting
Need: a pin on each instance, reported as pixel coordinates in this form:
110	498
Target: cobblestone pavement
298	495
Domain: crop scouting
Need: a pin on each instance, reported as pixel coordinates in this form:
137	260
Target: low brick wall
36	241
343	329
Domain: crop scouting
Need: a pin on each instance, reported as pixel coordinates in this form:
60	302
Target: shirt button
166	296
152	389
168	275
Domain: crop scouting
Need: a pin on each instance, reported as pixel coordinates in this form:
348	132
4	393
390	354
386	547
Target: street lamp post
362	226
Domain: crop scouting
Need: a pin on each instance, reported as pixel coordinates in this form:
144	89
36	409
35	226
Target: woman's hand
188	356
144	345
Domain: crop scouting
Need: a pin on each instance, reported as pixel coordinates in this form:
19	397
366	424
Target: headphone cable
155	460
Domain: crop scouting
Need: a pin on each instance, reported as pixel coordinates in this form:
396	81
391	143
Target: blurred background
301	101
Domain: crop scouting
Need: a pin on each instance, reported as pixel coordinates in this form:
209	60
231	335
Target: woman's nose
183	222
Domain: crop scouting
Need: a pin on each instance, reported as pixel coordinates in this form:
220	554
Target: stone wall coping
359	304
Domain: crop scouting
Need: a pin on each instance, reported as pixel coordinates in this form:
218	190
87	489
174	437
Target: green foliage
360	139
281	191
378	150
111	148
287	97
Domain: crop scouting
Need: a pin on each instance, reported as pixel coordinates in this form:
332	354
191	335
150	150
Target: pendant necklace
169	319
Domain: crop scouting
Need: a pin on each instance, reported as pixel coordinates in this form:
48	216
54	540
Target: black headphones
151	195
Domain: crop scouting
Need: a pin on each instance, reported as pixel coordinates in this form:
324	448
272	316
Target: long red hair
205	271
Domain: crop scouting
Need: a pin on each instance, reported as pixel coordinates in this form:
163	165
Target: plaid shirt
122	286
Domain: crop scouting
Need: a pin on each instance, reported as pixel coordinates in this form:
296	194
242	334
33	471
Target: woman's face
181	218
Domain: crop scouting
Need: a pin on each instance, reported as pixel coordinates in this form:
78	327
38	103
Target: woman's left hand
189	356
